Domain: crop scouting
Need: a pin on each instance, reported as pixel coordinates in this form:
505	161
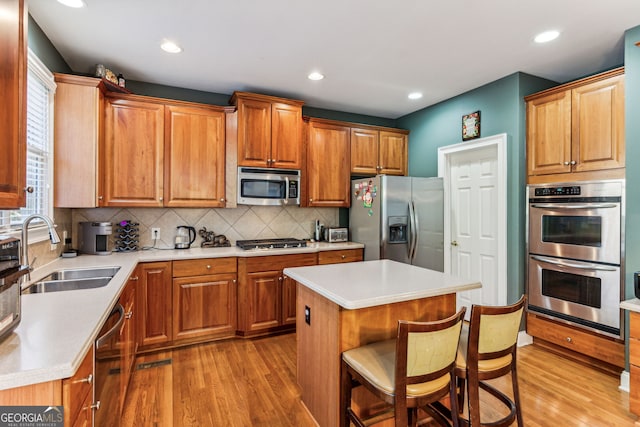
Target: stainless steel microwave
268	187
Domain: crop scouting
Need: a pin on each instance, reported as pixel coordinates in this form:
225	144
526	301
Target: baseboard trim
524	339
625	381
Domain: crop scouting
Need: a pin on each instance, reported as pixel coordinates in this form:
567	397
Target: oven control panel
573	190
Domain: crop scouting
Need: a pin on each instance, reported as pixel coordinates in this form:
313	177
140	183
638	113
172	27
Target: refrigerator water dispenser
398	229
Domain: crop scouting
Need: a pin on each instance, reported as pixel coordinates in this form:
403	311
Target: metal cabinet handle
87	380
208	267
134	278
311	200
129	315
573	162
454	243
566	163
222	200
28	189
344	256
100	197
95	406
569	339
160	199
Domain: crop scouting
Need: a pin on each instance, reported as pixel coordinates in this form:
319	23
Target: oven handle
582	266
105	337
571	206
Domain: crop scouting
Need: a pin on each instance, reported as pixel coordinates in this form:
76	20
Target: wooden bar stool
487	350
409	372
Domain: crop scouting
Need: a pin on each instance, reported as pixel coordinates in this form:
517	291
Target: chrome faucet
53	236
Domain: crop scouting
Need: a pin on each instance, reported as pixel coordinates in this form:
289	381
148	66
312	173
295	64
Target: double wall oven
575	260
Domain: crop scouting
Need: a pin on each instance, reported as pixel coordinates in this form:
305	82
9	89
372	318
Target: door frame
445	154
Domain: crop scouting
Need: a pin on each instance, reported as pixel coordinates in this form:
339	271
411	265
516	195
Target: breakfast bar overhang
343	306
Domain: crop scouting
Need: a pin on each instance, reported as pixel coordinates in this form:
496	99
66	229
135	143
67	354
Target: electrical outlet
155	233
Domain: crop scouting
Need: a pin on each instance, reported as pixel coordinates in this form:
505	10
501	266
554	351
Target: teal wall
502	110
40	44
632	152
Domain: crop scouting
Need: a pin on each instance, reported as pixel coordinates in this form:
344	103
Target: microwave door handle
573	206
286	190
573	265
105	337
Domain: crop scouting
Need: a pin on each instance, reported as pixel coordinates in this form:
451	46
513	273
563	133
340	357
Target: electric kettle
185	237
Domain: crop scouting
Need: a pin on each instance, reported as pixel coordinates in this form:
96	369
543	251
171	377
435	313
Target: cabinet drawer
335	257
598	347
76	389
634	389
277	262
199	267
634	325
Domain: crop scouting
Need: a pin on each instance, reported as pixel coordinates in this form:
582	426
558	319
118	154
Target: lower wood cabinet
154	303
204	299
266	299
634	362
77	395
584	345
336	257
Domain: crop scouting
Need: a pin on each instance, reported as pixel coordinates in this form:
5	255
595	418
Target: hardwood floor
252	382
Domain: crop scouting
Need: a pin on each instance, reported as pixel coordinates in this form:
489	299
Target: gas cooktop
271	243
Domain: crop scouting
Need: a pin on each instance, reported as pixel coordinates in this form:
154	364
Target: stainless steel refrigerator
399	218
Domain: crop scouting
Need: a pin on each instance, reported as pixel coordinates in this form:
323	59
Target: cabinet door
133	153
328	177
263	300
85	416
393	153
364	151
13	90
79	109
254	132
204	306
194	157
154	303
549	134
288	301
286	136
598	125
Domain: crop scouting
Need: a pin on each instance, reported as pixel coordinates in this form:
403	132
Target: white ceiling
373	52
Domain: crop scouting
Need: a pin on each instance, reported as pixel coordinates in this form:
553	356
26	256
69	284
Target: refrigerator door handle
413	236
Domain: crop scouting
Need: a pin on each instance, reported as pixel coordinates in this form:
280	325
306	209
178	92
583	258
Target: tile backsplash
240	223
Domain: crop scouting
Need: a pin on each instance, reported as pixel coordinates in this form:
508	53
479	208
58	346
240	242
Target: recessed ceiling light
415	95
315	76
72	3
546	36
171	47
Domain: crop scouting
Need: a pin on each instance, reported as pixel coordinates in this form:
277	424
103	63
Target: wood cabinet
78	128
583	345
204	299
132	159
127	337
376	151
340	256
77	394
154	304
269	131
13	87
266	299
146	152
576	131
328	178
194	167
634	362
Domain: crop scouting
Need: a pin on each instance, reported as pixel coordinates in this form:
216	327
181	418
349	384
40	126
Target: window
40	91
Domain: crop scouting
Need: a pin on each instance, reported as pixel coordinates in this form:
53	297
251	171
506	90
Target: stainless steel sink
73	279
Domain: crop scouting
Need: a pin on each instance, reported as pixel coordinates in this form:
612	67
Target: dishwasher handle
104	338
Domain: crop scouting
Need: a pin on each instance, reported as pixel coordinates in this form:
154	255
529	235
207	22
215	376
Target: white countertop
371	283
631	305
58	328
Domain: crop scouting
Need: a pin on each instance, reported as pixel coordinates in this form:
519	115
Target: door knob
454	243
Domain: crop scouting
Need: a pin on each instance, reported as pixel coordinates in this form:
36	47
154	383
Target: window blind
39	131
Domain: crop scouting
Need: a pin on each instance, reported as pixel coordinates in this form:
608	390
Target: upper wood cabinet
133	156
577	129
78	127
194	173
328	178
158	153
13	92
269	131
376	151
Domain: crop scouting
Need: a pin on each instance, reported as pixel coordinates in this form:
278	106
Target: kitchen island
344	306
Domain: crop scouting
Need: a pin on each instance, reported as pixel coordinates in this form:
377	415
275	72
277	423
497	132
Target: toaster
336	234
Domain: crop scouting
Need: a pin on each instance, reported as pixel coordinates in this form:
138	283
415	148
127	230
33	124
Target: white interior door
475	220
